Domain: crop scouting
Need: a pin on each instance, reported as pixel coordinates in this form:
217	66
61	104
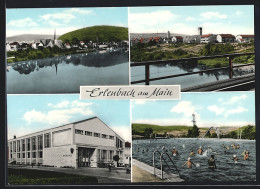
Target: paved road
117	175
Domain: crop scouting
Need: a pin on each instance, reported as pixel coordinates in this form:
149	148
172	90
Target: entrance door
84	155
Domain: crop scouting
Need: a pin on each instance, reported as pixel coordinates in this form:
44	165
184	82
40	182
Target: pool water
227	170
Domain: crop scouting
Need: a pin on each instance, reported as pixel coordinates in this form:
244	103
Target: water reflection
180	67
93	59
65	74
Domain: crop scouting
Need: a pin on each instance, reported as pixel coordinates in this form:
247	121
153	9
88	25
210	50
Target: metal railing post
161	167
153	164
147	74
230	67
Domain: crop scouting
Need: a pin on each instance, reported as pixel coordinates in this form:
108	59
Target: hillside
103	33
178	130
29	37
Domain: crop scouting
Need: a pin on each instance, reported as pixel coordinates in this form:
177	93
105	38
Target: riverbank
33	54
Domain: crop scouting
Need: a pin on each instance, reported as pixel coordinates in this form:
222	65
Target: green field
31	177
103	33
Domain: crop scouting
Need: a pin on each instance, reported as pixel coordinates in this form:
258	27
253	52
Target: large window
23	145
104	136
111	137
40	154
39	142
96	134
34	155
77	131
88	133
14	146
18	146
34	143
47	140
28	144
11	147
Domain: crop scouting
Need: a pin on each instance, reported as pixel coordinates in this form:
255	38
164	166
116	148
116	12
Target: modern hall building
88	142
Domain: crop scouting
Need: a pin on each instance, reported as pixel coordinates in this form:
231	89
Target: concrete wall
60	156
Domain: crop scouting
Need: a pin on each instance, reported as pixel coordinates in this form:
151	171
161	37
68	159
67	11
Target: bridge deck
242	83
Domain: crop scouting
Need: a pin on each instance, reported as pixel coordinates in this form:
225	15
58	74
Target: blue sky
31	113
211	109
44	21
234	19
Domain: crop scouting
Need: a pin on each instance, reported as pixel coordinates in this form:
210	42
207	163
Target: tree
148	132
189	133
116	158
248	132
233	134
195	131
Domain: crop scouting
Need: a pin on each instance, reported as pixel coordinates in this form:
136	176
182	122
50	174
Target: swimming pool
227	170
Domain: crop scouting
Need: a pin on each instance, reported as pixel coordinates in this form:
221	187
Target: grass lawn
31	177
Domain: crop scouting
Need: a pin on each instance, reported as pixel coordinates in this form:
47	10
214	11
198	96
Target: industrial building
89	143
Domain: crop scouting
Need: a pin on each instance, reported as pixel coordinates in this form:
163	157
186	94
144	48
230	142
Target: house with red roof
245	38
226	38
208	38
177	39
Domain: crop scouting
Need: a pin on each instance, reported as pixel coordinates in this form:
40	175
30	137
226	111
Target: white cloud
184	107
216	109
237	110
78	11
235	99
53	23
26	22
212	15
64	17
62	113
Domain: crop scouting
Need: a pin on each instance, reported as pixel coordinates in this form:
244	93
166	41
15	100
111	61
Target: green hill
159	129
104	34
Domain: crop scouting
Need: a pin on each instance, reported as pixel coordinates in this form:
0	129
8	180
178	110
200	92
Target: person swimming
235	158
246	154
175	152
200	151
192	153
212	162
189	163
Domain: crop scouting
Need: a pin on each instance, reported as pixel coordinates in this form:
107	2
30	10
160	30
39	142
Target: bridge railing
149	63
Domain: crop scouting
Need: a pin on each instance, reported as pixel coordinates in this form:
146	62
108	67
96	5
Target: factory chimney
200	30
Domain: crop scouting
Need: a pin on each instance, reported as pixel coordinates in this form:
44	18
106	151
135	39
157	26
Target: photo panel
57	50
202	48
61	140
202	138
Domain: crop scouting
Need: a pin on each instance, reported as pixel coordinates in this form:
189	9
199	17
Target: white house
244	38
208	38
226	38
8	47
14	46
88	143
177	39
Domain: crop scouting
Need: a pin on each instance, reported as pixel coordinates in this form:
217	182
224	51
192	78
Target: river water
138	73
65	74
227	170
